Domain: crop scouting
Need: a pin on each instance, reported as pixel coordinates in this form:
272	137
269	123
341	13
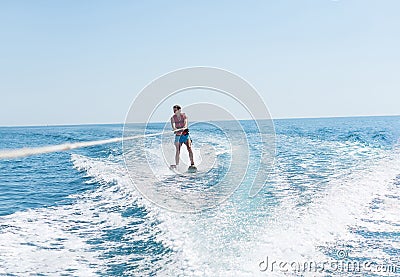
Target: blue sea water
333	196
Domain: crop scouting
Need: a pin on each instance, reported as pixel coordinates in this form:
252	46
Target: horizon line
122	123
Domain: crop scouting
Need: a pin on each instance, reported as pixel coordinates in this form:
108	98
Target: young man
179	121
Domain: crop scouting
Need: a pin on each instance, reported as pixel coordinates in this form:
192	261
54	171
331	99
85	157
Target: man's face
175	110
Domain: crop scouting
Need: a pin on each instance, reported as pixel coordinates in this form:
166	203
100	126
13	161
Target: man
179	121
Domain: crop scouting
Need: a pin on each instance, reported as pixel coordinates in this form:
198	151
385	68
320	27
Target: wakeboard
191	169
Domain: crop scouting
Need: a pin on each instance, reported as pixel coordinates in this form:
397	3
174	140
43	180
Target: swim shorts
182	138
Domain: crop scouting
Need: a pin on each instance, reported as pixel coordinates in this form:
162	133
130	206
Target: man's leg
189	148
178	150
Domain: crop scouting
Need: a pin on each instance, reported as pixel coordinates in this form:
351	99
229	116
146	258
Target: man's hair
177	107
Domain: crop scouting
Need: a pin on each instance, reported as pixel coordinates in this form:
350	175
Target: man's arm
173	124
186	122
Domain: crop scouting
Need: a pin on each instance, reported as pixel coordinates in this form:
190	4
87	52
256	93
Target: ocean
330	205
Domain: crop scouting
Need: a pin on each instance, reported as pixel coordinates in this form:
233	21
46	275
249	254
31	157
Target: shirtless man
179	121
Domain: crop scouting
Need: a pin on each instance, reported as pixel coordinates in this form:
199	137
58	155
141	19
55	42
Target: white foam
230	240
237	239
331	217
55	240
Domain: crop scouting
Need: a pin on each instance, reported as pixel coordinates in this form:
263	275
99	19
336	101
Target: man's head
176	108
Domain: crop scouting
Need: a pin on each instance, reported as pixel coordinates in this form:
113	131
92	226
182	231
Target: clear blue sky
71	62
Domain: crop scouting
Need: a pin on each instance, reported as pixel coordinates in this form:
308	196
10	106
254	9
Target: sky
80	62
